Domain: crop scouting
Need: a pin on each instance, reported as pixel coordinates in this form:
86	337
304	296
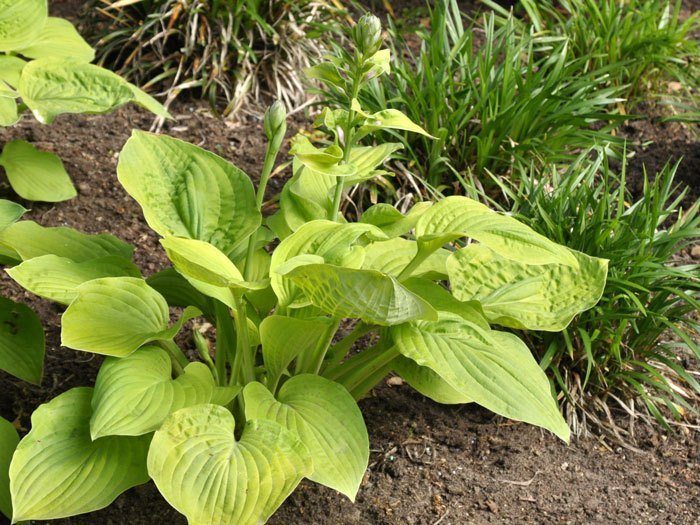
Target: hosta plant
45	68
272	400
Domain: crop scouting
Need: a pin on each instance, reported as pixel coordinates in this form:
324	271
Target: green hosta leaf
387	119
503	234
11	69
29	240
21	341
201	261
286	338
494	369
179	292
328	422
135	394
367	158
21	21
10	212
369	295
330	240
58	471
36	175
8	443
57	278
427	382
58	39
540	297
391	221
186	191
393	255
114	316
8	110
210	477
321	161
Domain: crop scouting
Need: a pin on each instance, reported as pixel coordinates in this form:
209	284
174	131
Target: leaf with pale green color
21	341
427	382
393	256
11	69
367	158
8	110
146	101
210	477
504	235
57	278
10	212
391	221
328	422
320	161
135	394
28	239
8	443
369	295
331	240
36	175
386	119
58	39
286	338
114	316
21	21
494	369
59	471
532	297
186	191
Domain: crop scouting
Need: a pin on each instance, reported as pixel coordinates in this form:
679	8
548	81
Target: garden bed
429	463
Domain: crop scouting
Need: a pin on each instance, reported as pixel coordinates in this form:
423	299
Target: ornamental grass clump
226	437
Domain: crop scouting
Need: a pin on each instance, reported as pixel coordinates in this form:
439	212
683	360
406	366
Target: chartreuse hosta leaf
369	295
8	443
186	191
133	395
11	70
427	382
533	297
59	471
504	235
394	255
54	86
21	341
8	110
57	278
58	39
330	240
212	478
391	221
21	22
10	212
328	422
493	369
116	315
28	240
387	119
286	338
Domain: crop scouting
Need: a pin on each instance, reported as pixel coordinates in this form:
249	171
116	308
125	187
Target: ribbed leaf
328	422
58	39
534	297
186	191
391	221
11	69
58	471
494	369
57	278
369	295
213	479
135	394
503	234
29	240
21	341
21	21
393	255
8	443
427	382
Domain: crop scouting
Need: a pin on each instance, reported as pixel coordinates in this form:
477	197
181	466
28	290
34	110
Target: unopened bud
367	34
275	122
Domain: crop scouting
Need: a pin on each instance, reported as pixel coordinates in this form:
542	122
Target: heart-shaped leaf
57	469
210	477
328	422
57	278
186	191
8	443
21	21
21	341
135	394
494	369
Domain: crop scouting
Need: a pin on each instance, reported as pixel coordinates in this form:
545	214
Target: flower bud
275	122
367	34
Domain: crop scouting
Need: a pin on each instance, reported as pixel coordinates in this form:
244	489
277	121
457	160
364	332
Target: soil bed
429	463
